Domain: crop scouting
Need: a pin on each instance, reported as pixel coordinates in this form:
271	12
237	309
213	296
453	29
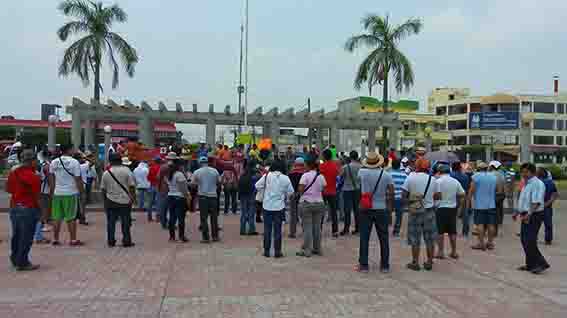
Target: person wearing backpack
247	200
119	191
420	191
377	200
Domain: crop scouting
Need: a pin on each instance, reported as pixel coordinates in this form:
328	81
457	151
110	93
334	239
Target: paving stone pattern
231	279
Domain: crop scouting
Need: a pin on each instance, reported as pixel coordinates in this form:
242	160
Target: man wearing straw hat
379	184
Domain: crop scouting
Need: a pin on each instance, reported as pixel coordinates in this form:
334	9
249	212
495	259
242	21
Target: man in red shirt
25	186
330	170
154	183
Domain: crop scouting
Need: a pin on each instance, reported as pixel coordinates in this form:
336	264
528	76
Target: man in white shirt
207	180
66	187
277	187
143	186
421	190
452	194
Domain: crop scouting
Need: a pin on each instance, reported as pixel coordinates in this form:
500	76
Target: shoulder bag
366	197
260	192
416	199
121	186
299	195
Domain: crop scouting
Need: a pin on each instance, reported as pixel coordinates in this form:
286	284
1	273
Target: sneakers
128	244
27	268
540	269
428	266
414	266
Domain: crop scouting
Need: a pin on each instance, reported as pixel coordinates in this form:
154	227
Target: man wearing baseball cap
207	180
494	168
482	196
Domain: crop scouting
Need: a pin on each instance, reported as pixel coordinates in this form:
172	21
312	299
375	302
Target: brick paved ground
231	279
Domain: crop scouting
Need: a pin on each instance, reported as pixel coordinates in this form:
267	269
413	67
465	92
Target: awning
511	150
544	148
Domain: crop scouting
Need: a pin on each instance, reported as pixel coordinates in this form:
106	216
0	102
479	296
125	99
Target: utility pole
310	130
240	87
246	71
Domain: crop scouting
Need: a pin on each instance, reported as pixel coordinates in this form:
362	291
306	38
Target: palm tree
85	55
385	59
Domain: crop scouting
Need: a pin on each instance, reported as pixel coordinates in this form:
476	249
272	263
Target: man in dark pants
295	174
207	180
351	192
379	183
551	195
24	186
531	211
330	170
119	191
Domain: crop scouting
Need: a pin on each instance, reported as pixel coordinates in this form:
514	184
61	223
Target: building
417	127
509	128
444	95
48	110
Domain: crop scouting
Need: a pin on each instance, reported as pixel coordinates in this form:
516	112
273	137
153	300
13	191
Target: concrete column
334	138
275	132
211	131
371	139
146	132
52	121
394	138
90	132
525	141
76	129
320	138
428	143
489	154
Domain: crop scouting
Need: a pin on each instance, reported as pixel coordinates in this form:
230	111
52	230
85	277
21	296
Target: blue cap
203	159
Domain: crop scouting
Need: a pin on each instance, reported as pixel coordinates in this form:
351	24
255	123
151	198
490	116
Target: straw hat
172	156
373	160
482	165
126	161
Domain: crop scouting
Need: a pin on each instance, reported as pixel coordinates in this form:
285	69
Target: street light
107	133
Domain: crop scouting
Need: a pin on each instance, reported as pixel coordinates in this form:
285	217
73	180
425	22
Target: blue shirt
399	177
368	181
484	197
463	179
533	192
550	189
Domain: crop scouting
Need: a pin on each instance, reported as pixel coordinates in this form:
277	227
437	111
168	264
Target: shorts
422	223
64	207
447	221
485	217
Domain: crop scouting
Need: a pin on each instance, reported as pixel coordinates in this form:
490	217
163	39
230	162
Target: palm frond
75	59
114	14
410	27
73	27
127	53
364	73
376	25
113	65
403	72
357	41
76	8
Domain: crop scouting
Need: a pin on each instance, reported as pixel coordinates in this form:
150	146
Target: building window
559	140
526	107
544	140
500	140
560	108
458	140
489	108
457	109
546	108
476	108
451	97
543	158
440	111
475	140
509	108
559	124
545	124
456	124
439	127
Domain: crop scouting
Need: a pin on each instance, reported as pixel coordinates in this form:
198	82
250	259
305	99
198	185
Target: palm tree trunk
384	144
97	81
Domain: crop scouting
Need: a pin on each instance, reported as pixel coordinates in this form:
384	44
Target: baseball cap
203	159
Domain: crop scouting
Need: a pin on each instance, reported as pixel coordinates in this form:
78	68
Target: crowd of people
306	190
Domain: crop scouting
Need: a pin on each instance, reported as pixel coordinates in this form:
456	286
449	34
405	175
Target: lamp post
51	121
107	134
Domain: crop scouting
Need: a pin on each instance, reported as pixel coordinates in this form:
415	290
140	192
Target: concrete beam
290	112
146	107
130	106
194	108
178	107
78	103
227	110
211	108
258	111
111	103
162	107
273	112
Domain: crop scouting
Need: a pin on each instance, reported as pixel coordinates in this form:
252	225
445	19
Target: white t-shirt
65	176
141	175
449	188
416	182
87	172
173	184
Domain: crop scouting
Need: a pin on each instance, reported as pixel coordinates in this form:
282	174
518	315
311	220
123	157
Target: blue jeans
154	200
528	235
163	207
24	222
548	224
38	235
142	198
177	213
351	201
273	223
380	219
467	216
247	214
398	209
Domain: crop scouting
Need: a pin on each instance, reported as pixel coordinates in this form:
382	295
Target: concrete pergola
271	121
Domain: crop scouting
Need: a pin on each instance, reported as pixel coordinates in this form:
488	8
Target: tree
94	21
385	59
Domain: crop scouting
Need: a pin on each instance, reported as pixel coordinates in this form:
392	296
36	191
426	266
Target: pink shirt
315	193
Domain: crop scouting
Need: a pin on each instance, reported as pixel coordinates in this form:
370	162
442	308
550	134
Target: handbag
260	192
416	199
366	197
121	186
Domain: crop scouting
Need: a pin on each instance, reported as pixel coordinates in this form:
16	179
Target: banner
494	120
244	139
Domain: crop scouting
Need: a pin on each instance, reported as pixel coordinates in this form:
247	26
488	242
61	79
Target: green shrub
555	171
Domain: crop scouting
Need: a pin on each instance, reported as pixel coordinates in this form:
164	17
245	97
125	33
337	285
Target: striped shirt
399	177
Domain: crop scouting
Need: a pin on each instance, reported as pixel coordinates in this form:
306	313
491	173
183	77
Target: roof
158	126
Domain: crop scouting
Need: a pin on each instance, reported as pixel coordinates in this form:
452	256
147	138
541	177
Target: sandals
454	256
76	243
361	269
490	246
478	247
440	256
414	266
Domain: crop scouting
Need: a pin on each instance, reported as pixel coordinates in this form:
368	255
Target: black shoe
128	244
266	254
292	236
428	266
279	255
27	268
355	232
344	232
111	244
317	253
548	243
84	223
302	254
216	239
184	240
414	266
205	241
253	233
524	268
540	269
335	235
243	234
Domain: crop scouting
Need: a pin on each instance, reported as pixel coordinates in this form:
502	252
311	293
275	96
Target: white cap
17	145
494	163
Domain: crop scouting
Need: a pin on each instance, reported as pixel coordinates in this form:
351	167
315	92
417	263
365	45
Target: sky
189	51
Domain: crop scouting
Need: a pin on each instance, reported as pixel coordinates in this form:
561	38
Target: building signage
494	120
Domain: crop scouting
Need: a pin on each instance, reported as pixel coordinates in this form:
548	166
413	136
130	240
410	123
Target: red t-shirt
153	175
24	185
330	170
